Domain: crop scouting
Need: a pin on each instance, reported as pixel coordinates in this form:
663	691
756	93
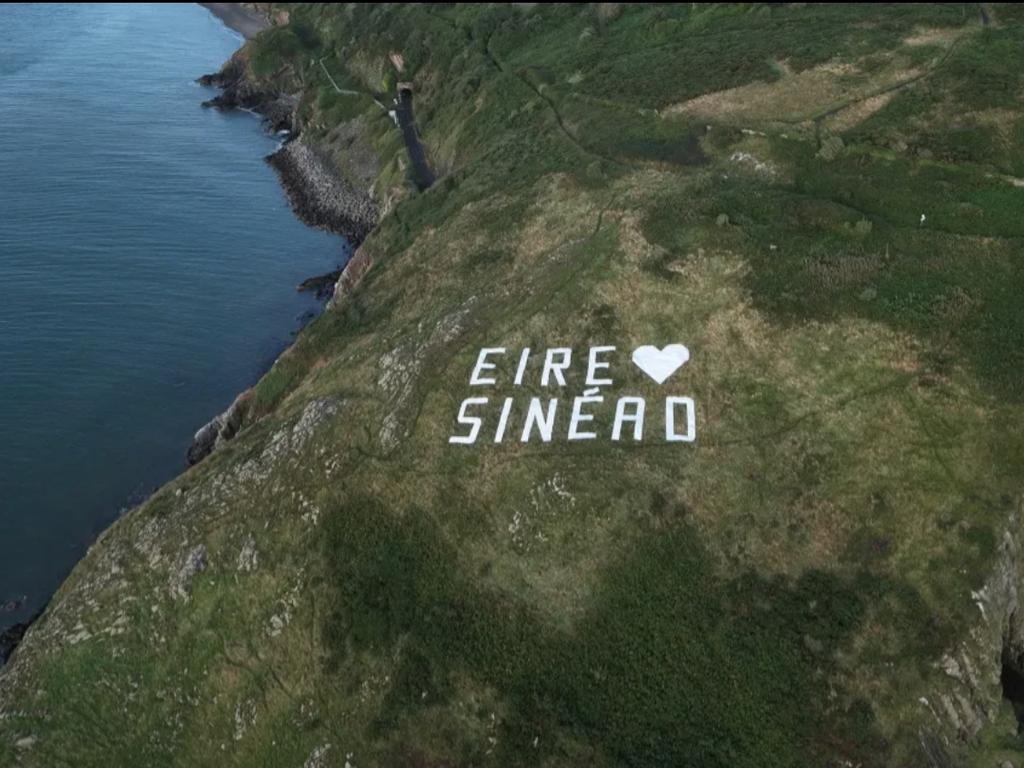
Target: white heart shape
659	364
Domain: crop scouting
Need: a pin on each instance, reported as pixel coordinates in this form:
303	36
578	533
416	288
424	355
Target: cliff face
819	202
978	668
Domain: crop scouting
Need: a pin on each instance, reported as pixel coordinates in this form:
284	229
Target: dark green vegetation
826	578
932	279
627	681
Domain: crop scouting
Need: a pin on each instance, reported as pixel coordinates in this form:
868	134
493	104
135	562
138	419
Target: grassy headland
822	202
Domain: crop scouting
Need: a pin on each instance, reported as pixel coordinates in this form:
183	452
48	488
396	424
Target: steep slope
820	202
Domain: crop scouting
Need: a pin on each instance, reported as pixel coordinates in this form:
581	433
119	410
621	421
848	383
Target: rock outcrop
219	429
353	273
239	91
973	692
321	286
10	638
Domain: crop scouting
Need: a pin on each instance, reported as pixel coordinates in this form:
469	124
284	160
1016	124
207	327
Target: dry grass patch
934	36
795	98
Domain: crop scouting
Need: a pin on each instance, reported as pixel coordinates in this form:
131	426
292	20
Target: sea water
148	264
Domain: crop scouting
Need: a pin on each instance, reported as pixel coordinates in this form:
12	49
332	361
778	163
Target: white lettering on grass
545	422
474	422
593	364
506	409
588	415
475	379
671	435
550	366
636	417
578	416
521	370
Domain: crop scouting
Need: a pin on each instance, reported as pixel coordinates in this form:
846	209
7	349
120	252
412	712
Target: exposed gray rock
219	429
191	565
353	273
238	91
248	558
973	694
321	286
245	718
318	757
401	367
320	195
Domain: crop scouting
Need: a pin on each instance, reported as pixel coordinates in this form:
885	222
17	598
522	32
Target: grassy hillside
822	202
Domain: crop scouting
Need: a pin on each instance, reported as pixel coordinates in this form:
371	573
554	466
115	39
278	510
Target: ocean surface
148	264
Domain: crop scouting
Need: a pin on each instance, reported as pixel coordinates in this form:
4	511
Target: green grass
953	279
666	649
779	594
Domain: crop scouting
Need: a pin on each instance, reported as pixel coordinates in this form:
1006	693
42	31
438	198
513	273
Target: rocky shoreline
219	429
321	286
318	195
10	637
238	92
